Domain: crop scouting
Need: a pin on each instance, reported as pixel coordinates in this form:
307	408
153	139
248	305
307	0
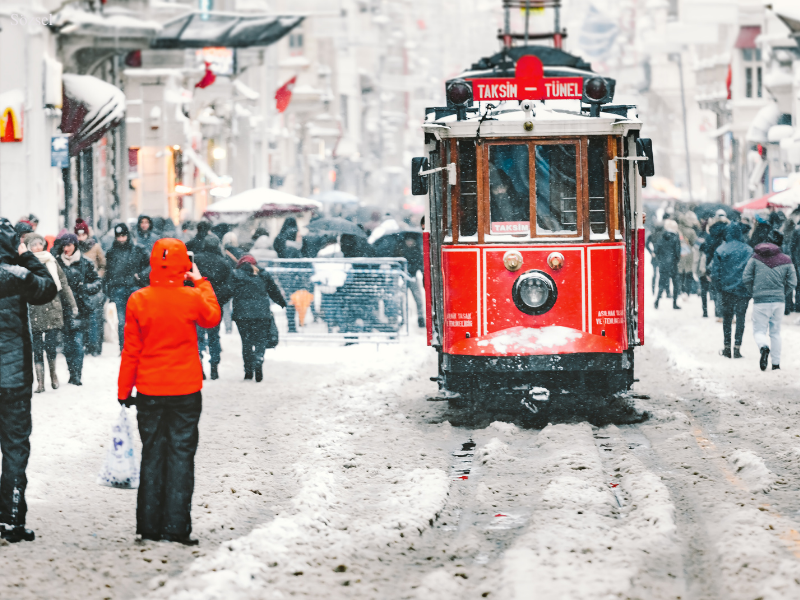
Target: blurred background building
112	108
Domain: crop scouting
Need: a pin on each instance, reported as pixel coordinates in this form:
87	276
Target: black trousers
254	333
15	433
44	342
664	277
168	428
733	306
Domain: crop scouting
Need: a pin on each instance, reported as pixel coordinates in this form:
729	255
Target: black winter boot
762	363
185	540
259	373
214	372
248	373
726	352
736	353
776	367
17	534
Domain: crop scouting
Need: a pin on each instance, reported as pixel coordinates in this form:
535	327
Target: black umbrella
335	226
707	210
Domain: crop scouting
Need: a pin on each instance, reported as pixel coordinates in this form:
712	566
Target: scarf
49	261
71	260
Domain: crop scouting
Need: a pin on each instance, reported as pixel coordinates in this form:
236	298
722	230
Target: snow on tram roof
555	117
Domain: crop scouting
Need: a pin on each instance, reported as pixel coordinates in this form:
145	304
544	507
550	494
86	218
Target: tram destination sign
529	83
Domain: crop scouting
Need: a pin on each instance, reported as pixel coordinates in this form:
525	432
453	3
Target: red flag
207	79
284	94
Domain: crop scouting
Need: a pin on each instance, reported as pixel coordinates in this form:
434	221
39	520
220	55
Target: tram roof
553	118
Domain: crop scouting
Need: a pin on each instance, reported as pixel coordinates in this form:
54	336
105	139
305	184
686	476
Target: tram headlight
534	292
459	93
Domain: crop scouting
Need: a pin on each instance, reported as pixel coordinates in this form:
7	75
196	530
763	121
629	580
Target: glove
128	402
16	270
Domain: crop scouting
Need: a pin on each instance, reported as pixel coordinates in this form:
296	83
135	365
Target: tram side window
556	189
447	196
598	158
509	188
468	182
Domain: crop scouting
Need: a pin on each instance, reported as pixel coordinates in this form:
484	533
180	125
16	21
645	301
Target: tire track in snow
743	547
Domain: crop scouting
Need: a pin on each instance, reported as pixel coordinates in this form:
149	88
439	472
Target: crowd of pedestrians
731	260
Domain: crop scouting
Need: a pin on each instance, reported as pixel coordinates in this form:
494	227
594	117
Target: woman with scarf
85	284
253	289
47	319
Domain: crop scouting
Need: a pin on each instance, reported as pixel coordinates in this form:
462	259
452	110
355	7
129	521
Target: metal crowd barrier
342	299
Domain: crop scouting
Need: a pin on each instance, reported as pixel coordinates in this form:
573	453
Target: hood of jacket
169	262
734	233
770	255
9	242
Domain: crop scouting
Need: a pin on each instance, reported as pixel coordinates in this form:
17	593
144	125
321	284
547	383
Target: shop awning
788	11
747	36
91	107
201	30
766	201
258	202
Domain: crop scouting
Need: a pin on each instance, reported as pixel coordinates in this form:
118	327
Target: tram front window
509	189
556	189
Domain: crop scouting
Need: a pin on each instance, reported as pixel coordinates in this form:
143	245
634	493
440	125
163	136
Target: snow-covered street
337	478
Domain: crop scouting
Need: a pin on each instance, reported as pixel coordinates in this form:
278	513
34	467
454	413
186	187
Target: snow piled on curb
752	470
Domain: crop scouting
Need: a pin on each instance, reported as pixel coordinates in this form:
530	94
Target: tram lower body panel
579	340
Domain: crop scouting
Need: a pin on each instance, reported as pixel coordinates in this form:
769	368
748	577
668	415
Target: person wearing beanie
93	252
160	360
85	284
252	290
47	320
126	271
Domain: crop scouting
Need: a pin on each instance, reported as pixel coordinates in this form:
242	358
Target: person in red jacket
160	359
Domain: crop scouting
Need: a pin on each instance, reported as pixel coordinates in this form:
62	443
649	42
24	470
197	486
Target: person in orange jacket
160	359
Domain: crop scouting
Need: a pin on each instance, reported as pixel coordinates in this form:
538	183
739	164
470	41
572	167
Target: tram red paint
606	268
640	283
426	278
461	290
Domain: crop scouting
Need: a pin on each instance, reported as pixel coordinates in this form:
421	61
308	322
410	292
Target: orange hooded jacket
160	354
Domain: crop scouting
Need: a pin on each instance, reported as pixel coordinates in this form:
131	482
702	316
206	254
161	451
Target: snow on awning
201	30
109	24
91	107
766	117
747	36
258	202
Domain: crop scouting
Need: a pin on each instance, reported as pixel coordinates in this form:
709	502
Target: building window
295	44
751	58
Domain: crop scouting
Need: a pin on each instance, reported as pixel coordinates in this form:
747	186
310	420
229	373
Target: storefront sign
59	151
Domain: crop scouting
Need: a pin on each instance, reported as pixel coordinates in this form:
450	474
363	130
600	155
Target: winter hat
721	213
246	259
121	229
259	232
69	238
169	262
211	243
23	227
81	226
32	238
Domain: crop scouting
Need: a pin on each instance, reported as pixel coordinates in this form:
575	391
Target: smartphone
191	255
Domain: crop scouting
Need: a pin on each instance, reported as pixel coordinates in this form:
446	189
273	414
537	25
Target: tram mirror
612	170
644	148
419	183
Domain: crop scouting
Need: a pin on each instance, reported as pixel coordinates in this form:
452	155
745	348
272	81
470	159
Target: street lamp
676	58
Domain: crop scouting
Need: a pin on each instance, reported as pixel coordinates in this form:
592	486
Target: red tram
534	239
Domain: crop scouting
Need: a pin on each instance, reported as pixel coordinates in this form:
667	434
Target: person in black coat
127	267
218	270
668	254
252	290
146	234
196	243
85	284
23	280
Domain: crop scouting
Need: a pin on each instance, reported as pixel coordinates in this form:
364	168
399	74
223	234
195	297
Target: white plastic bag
121	469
